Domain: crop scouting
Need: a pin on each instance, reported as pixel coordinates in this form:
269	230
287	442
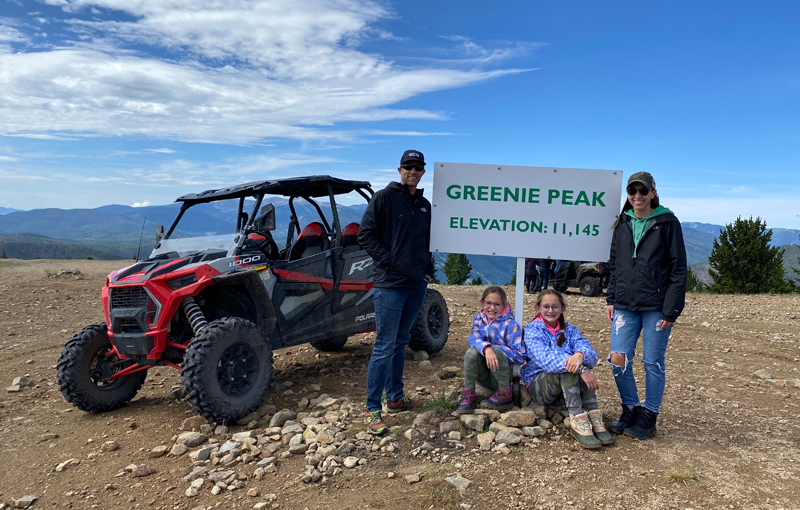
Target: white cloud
161	151
241	72
145	203
7	158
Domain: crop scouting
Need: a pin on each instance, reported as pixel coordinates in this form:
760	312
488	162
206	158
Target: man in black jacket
395	231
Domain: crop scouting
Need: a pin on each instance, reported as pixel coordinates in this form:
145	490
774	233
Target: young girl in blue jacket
494	345
559	364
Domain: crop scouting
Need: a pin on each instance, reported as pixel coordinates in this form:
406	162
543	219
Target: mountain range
115	231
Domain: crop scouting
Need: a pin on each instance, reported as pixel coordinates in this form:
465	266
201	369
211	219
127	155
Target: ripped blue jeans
625	329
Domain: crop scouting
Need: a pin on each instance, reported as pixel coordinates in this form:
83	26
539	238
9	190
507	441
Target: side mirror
159	233
265	220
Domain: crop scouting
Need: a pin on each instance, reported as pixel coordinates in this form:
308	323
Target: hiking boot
404	404
375	423
626	419
599	428
581	429
645	426
500	401
469	401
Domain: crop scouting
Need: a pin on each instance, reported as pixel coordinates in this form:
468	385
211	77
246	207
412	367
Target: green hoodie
639	225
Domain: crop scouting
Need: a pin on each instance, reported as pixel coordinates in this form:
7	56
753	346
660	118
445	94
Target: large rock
506	437
423	418
533	431
142	470
192	439
196	473
193	423
22	382
474	421
518	419
158	451
498	427
220	476
25	501
486	437
459	482
539	411
447	372
449	426
281	417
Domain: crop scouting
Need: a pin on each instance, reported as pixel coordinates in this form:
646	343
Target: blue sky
138	102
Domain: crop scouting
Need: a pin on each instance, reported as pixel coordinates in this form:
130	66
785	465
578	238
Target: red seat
312	240
350	237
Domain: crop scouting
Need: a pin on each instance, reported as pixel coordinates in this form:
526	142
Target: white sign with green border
524	211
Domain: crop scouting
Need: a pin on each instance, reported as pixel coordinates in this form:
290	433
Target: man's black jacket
396	232
656	279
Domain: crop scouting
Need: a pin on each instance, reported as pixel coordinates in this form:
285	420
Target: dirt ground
737	432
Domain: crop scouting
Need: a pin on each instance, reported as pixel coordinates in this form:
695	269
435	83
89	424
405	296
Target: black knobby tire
330	344
430	331
227	370
590	286
83	366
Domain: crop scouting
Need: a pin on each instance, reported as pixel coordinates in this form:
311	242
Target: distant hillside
6	210
780	236
33	246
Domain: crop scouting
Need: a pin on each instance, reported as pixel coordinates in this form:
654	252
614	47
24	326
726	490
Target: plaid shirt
545	356
503	332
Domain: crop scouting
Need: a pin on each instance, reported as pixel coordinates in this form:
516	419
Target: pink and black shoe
469	401
500	401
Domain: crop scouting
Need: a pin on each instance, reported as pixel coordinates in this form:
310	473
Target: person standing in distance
646	294
395	231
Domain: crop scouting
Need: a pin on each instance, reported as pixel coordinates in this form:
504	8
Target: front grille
129	297
128	326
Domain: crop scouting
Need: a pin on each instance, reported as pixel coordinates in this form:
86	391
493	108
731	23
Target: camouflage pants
475	370
559	389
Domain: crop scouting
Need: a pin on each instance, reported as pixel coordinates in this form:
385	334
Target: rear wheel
330	344
590	286
84	367
430	331
227	370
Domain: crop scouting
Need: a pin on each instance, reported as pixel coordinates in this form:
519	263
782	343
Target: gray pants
555	389
475	370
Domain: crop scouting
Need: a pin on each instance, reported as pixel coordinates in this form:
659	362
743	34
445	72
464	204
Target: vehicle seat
350	237
312	240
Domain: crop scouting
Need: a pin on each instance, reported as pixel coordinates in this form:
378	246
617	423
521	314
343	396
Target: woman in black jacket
645	295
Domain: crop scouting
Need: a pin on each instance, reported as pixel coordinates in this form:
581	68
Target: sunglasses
418	168
632	190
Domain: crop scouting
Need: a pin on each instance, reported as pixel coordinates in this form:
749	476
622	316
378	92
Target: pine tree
457	268
513	280
743	262
693	283
3	255
477	281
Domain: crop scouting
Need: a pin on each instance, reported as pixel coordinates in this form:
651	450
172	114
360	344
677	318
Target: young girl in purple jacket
559	365
494	346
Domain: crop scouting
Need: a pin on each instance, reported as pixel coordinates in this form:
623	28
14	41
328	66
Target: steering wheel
265	243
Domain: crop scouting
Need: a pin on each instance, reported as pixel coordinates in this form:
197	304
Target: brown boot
581	429
599	428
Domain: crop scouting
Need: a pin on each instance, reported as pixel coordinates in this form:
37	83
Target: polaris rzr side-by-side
216	306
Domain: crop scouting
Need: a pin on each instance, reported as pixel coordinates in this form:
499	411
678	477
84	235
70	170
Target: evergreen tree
743	262
457	268
513	280
477	281
435	278
3	255
795	269
693	283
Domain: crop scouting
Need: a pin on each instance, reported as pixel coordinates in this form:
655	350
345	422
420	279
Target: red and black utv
216	306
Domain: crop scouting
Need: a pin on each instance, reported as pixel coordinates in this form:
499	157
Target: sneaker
581	429
375	423
599	428
645	426
404	404
469	401
626	419
500	401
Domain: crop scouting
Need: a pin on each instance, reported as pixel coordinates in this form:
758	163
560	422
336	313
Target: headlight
181	282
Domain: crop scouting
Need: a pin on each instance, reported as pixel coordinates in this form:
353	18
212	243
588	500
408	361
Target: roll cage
307	188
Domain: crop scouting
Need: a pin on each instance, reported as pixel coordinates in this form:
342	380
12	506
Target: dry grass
685	477
438	494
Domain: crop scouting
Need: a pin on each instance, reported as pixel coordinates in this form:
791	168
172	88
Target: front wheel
227	370
590	286
430	331
83	369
